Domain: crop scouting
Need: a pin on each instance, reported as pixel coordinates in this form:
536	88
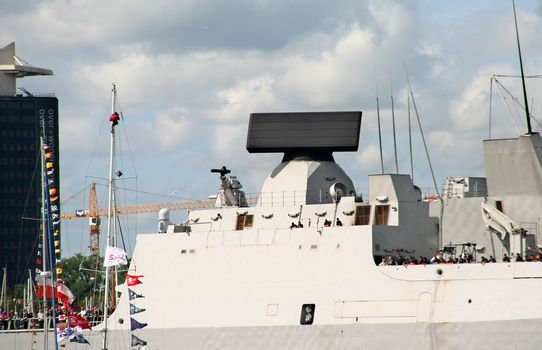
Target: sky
189	73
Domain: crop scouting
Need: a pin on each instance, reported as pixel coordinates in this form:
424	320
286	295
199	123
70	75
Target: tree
83	275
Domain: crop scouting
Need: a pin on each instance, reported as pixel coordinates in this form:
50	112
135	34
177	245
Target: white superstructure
242	277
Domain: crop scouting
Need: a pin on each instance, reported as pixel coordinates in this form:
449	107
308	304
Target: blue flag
136	325
79	339
132	295
136	341
134	309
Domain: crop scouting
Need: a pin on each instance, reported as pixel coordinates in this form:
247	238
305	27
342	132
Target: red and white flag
133	280
114	256
64	293
75	320
45	285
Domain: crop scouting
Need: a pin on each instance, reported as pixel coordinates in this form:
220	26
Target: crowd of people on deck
438	258
34	320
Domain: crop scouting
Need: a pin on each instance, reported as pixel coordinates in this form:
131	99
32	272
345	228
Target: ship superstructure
302	269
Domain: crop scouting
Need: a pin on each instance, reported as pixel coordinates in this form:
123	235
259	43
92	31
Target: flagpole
109	213
44	250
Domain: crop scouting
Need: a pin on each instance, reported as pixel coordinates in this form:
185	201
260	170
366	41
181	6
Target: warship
306	264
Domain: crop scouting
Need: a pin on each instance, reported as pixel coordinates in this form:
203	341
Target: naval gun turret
230	193
308	173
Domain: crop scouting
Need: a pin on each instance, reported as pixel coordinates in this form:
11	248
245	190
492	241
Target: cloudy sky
189	73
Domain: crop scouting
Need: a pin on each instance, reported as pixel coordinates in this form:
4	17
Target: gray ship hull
520	334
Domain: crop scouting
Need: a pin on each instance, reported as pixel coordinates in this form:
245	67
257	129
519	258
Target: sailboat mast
110	207
3	292
44	248
529	129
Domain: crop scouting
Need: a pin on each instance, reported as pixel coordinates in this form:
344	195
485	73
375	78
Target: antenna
410	141
394	137
529	130
379	136
427	155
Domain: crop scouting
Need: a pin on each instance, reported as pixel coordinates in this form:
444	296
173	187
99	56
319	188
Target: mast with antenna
110	207
44	254
529	129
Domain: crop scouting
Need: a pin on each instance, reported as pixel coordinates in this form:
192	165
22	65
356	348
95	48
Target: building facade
25	120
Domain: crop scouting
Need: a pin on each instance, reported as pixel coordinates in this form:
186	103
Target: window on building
244	220
381	214
363	215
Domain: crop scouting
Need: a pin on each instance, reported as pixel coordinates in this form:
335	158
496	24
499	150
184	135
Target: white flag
114	256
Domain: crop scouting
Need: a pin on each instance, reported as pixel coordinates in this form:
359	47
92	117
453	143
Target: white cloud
245	97
169	130
369	157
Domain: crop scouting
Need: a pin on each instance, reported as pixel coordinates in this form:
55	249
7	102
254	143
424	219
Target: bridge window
244	220
363	215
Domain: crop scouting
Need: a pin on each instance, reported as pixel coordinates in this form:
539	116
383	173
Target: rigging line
121	233
421	133
441	217
510	113
518	76
47	225
32	180
515	99
96	143
126	135
74	195
152	193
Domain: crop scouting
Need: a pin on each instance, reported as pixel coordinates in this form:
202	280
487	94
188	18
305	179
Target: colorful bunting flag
78	338
62	334
134	309
132	295
78	321
133	280
136	325
136	341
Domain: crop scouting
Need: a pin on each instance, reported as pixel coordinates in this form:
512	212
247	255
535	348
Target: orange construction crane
94	221
145	208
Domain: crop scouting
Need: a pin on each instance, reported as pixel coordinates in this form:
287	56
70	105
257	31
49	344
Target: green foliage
84	276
